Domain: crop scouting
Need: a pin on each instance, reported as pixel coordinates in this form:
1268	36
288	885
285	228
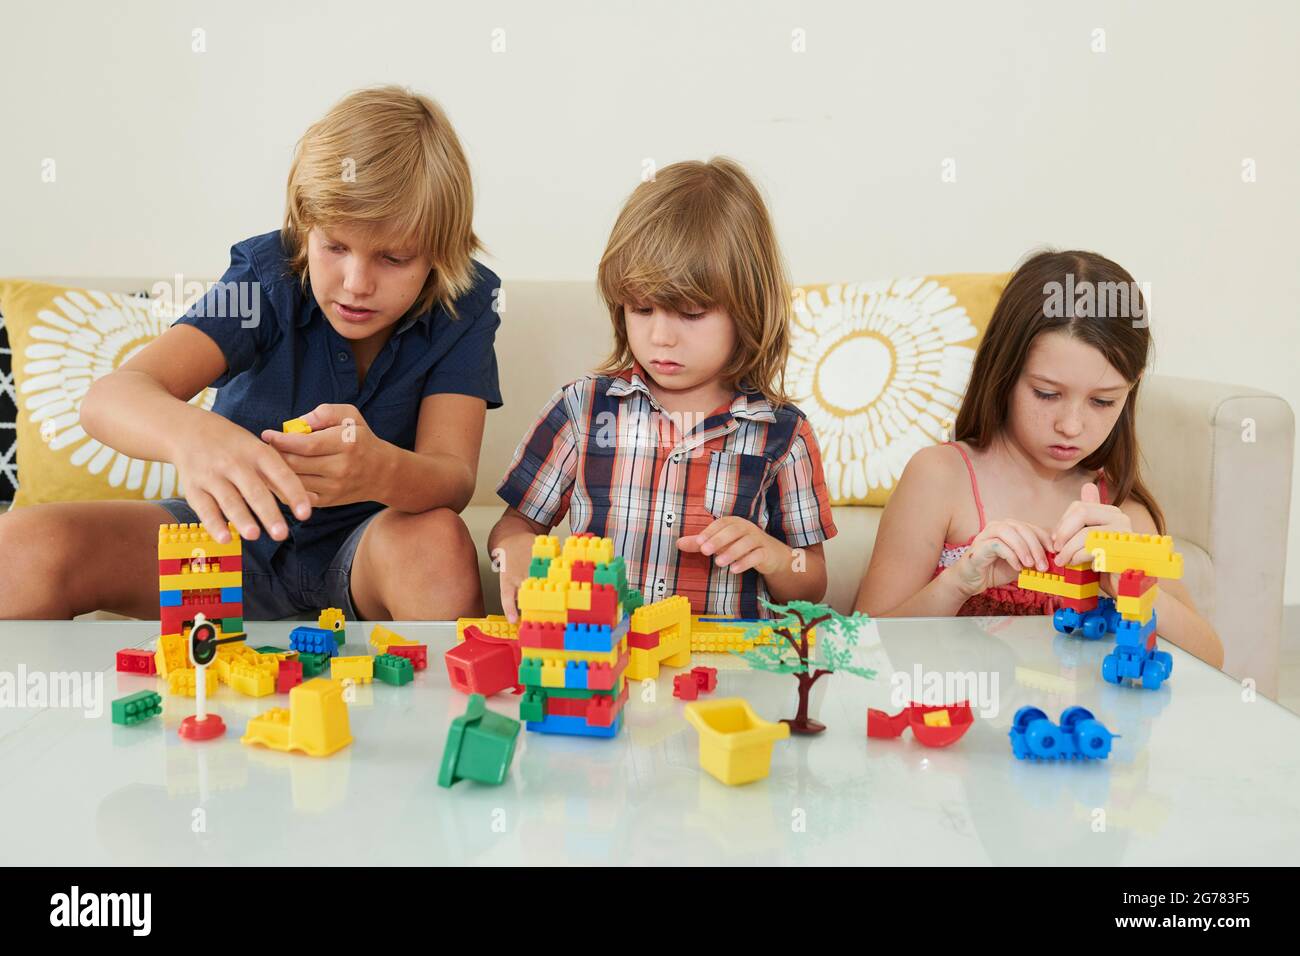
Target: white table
1199	775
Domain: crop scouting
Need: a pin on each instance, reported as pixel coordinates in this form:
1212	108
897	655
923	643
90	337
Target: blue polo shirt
290	359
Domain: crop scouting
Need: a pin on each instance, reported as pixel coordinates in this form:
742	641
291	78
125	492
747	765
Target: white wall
165	156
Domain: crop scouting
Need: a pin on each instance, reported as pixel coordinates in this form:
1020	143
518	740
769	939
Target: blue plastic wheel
1092	738
1061	620
1110	669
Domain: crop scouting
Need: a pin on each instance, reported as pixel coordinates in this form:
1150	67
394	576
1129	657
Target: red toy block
1133	583
1079	604
417	653
172	620
1080	576
132	660
483	664
604	607
582	571
544	634
644	641
289	676
685	687
706	678
603	676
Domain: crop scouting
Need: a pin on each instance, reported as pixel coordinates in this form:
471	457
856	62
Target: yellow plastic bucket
735	743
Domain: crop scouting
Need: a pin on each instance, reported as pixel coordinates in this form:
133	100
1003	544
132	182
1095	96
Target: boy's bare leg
61	560
416	567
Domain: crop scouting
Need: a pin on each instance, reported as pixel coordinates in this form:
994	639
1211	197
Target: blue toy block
588	637
575	675
232	595
1131	660
574	726
313	640
169	598
1094	624
1080	736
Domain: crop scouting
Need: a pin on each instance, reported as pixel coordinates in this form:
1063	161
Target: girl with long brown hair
1044	451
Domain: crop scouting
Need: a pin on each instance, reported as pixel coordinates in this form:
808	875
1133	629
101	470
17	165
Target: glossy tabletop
1202	773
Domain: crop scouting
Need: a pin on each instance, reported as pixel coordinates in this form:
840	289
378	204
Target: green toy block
341	636
480	745
539	567
632	600
313	664
530	672
532	706
232	625
137	707
393	669
270	649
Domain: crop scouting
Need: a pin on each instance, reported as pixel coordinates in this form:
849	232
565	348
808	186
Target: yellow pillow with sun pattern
62	340
879	368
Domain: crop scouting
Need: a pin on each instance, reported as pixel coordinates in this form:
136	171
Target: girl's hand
998	553
739	545
338	463
230	476
1086	514
511	558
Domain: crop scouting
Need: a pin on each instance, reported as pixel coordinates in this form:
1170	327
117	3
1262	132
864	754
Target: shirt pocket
735	484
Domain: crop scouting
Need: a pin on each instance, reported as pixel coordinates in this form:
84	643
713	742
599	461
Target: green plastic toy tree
837	636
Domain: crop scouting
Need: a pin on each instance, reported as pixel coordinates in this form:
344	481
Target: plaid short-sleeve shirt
605	452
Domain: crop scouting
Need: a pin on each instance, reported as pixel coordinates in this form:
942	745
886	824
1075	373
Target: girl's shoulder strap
1102	491
974	485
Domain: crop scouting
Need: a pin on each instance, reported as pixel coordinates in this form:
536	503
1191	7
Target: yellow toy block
577	596
541	596
549	654
936	718
552	673
171	654
316	722
251	681
716	636
191	540
546	546
331	619
595	550
181	681
559	572
1048	583
1118	551
296	426
654	617
189	580
360	669
1137	608
381	639
494	625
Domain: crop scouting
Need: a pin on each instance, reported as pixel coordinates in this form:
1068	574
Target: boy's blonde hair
387	159
699	235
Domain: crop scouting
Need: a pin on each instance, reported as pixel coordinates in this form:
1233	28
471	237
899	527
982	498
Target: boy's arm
442	470
142	410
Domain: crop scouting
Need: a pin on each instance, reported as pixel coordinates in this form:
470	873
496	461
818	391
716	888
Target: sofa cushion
879	368
62	339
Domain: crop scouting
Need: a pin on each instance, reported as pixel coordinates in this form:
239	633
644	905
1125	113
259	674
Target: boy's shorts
286	589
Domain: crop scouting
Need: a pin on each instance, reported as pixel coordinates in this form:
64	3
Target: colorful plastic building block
1080	736
483	664
381	639
669	622
316	722
480	745
720	635
136	708
360	669
1135	656
331	619
253	681
288	676
417	654
133	660
1119	551
392	669
313	664
295	426
932	725
171	654
706	678
685	687
735	743
313	640
181	681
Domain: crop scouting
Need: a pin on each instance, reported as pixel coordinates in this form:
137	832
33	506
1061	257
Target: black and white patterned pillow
8	416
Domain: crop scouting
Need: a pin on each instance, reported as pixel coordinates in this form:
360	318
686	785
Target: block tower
1141	560
196	574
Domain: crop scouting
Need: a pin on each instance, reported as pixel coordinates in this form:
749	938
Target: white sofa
1227	499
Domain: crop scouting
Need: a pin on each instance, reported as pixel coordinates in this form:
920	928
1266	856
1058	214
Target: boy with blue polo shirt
366	316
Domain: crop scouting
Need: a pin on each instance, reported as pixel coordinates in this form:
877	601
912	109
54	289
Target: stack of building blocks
572	637
197	574
136	708
1140	560
315	723
659	633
